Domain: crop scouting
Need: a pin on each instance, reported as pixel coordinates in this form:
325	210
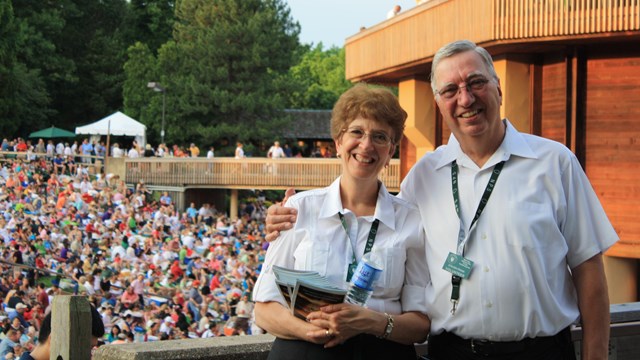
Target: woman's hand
341	322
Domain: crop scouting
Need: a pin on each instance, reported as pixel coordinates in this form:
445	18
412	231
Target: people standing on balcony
148	151
239	154
116	152
276	151
87	150
366	124
534	243
194	151
133	152
393	12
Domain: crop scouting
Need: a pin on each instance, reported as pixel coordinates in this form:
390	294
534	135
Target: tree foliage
229	67
319	78
224	70
23	97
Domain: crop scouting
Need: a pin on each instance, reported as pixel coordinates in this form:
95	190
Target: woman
366	125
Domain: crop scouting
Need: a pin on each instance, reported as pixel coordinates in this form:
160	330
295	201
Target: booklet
306	291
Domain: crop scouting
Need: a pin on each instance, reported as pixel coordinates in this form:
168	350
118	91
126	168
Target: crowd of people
153	272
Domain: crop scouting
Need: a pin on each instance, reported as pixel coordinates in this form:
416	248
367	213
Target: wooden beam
70	328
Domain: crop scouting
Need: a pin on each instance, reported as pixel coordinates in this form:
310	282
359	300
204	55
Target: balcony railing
249	173
407	42
540	18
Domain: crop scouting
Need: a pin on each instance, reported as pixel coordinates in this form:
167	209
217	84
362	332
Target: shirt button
484	236
486	269
489	305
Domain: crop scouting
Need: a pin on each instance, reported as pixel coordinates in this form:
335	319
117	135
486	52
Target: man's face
470	113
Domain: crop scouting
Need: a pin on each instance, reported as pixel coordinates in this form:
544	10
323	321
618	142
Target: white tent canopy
117	124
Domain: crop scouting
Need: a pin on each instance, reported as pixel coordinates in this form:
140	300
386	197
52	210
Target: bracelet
388	328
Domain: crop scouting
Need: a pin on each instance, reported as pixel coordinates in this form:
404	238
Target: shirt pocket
532	226
392	276
312	256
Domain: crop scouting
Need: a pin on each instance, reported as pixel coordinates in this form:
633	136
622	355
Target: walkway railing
536	18
409	40
249	173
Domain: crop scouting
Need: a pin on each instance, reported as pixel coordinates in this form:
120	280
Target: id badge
458	265
350	270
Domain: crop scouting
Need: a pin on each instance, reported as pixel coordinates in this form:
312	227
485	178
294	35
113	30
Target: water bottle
363	279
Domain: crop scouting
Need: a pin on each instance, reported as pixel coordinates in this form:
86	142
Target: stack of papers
306	291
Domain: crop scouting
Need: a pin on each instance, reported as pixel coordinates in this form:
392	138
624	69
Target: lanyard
455	279
370	240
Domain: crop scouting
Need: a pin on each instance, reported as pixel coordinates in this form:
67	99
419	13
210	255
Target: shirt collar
512	144
332	205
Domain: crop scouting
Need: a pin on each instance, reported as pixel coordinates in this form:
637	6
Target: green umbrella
52	132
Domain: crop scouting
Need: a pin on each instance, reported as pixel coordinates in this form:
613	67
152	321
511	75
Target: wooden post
70	328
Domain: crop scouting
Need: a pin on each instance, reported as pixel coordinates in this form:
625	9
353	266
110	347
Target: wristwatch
388	328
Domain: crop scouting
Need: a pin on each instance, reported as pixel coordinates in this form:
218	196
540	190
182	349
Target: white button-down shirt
542	219
319	242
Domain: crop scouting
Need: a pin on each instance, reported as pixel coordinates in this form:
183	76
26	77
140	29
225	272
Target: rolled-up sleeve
417	276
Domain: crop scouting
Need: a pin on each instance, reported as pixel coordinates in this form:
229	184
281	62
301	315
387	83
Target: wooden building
569	71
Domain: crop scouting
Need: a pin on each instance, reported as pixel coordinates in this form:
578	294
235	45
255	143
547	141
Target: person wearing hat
18	313
167	325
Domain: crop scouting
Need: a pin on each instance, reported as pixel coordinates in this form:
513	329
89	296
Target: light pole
155	86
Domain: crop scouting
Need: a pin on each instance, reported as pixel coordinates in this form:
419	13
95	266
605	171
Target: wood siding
554	99
613	144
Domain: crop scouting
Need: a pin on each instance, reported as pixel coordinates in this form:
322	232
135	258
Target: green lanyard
455	279
370	240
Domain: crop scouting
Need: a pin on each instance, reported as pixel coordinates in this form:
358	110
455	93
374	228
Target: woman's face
362	148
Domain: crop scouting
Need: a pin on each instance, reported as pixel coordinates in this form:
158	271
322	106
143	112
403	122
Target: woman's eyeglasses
377	137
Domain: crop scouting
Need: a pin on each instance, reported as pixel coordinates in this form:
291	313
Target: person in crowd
535	250
276	151
8	344
336	227
194	151
117	152
239	153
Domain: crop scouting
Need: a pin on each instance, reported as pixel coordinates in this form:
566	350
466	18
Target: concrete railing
624	344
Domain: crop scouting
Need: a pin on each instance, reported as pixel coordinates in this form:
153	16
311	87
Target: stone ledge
234	347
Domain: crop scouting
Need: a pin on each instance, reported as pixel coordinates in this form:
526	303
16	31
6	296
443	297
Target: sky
332	21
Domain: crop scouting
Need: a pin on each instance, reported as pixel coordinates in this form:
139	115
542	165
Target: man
529	258
7	344
87	150
117	152
275	151
18	312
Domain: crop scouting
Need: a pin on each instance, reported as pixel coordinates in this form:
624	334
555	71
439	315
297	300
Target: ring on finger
327	333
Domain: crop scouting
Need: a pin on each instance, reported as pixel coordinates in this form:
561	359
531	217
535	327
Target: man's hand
280	218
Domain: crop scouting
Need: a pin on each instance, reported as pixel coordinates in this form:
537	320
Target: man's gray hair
455	48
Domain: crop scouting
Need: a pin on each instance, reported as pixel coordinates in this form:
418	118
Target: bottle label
365	275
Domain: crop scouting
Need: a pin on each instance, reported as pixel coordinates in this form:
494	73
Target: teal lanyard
456	280
367	248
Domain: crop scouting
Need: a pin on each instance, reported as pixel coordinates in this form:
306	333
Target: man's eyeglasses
377	137
451	91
